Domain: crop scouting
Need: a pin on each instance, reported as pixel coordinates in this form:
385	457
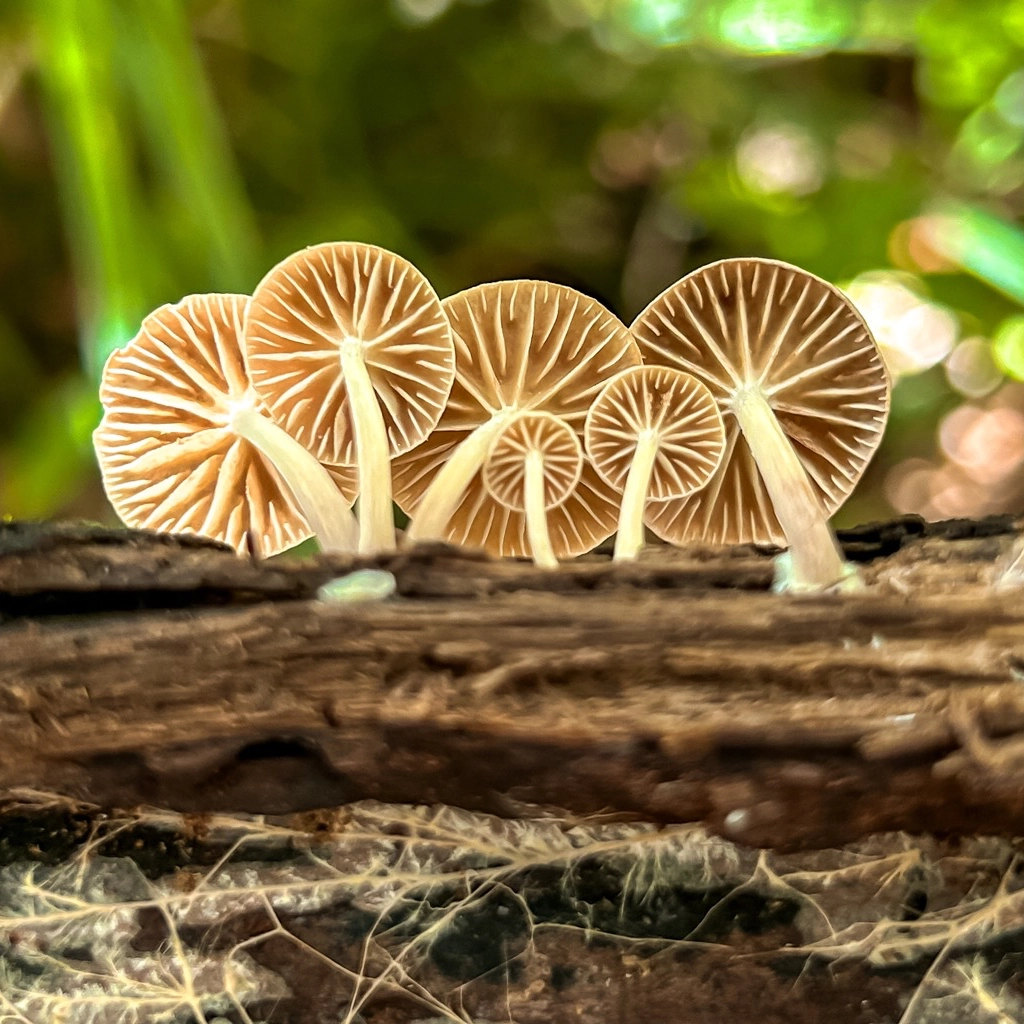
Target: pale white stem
537	514
629	540
373	457
445	492
816	559
316	494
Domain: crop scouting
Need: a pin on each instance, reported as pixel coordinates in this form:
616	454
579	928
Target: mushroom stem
537	513
445	492
629	540
816	560
320	501
373	462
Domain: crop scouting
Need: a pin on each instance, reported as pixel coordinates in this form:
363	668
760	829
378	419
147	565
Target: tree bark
615	721
142	669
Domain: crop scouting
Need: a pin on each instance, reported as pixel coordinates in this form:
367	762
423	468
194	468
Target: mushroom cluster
521	417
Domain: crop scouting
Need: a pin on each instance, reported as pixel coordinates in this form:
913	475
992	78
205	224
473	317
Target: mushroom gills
319	500
441	499
520	347
534	463
186	444
763	334
655	433
349	347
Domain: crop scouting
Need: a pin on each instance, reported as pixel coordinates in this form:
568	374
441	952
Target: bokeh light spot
419	12
1008	347
1013	21
661	22
953	495
981	242
912	246
913	334
908	485
971	370
783	26
987	444
965	52
990	141
780	158
1009	99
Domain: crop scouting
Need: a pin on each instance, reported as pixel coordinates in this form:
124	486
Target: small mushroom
351	351
804	395
186	445
520	346
655	434
534	464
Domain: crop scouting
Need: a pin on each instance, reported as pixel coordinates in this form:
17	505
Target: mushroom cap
313	302
677	408
522	346
168	455
505	470
761	323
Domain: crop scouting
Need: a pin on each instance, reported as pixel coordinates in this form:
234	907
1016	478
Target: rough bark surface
637	731
140	669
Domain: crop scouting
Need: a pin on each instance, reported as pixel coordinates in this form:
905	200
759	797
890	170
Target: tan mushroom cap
308	306
169	457
522	346
763	324
681	414
534	432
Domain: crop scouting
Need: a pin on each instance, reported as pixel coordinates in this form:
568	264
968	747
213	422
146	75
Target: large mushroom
351	351
185	444
655	434
804	395
520	346
534	464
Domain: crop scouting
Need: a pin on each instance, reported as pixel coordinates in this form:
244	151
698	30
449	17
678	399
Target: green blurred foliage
151	148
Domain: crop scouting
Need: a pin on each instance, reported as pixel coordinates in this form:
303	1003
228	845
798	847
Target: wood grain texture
139	669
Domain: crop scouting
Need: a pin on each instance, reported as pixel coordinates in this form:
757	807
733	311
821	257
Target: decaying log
142	669
636	731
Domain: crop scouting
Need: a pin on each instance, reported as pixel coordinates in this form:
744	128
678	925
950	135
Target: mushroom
533	465
351	351
520	346
804	395
185	444
653	433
